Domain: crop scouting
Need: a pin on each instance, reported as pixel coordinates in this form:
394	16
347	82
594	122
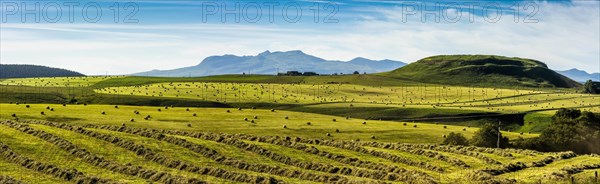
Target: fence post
596	176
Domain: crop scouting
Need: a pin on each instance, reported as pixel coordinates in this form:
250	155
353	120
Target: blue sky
158	34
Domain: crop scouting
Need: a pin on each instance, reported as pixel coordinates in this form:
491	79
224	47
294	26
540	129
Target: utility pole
498	142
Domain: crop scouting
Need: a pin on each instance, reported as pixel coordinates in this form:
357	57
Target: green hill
28	71
482	70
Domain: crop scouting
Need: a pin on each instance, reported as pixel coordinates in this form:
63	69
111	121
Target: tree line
27	71
570	130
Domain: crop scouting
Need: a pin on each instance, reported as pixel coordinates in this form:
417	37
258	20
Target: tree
591	87
487	136
566	114
456	139
571	130
356	73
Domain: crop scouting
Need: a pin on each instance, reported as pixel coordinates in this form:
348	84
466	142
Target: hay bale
404	124
286	117
337	130
272	110
334	120
284	126
42	113
27	106
189	125
116	106
103	113
328	135
132	120
194	114
372	137
364	123
308	123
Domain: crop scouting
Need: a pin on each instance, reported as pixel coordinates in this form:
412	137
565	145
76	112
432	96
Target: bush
487	136
456	139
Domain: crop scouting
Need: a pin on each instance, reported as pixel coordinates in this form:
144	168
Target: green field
269	129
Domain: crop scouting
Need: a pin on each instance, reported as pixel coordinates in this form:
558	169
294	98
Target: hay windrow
10	180
71	175
98	161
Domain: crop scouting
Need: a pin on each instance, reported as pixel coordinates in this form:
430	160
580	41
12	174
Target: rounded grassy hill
482	70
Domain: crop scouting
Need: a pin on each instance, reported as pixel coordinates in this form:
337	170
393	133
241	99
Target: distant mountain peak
267	52
269	62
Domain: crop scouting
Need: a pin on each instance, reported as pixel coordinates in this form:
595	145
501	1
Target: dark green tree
571	130
456	139
591	87
487	136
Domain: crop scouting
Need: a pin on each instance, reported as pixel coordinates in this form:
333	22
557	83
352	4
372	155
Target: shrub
455	139
487	136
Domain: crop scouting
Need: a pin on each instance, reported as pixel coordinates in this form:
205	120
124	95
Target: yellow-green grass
422	96
319	93
118	154
42	151
183	154
535	174
23	174
56	81
219	120
304	157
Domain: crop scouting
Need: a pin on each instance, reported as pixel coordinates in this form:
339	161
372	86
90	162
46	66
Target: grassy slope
42	150
482	70
218	120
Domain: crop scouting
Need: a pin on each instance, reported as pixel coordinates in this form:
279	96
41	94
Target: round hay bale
308	123
364	123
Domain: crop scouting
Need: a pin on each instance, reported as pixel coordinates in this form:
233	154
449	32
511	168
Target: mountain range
580	75
274	62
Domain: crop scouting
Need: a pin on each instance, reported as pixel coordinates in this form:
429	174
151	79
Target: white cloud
567	36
